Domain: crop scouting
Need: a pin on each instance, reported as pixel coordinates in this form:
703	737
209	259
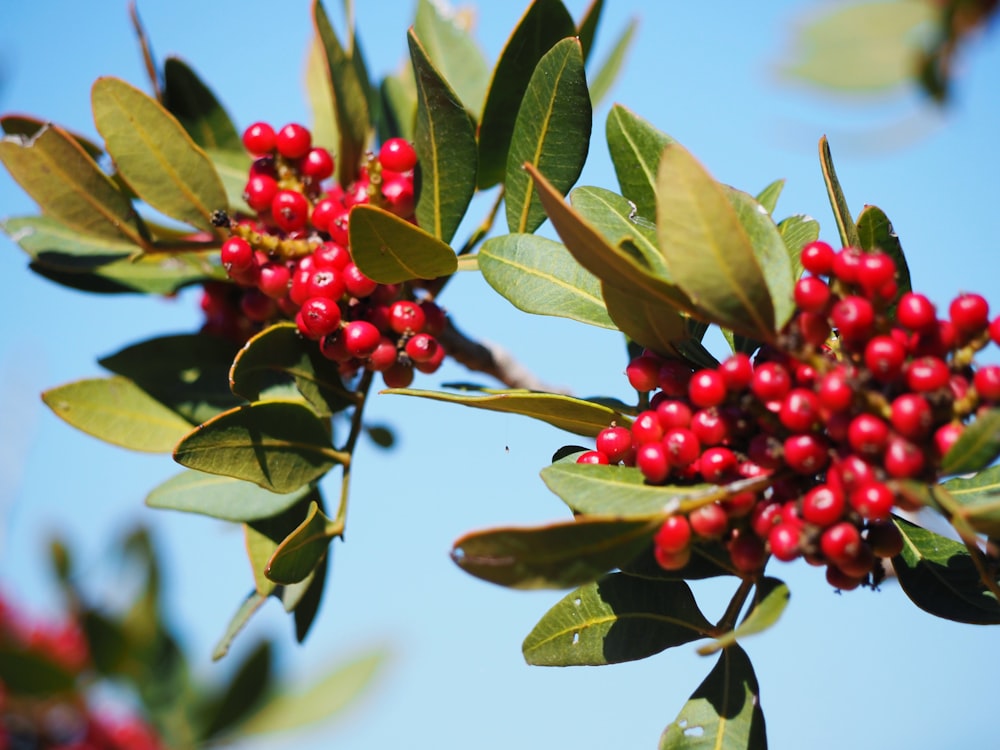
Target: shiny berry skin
361	338
647	428
717	465
853	317
814	327
707	388
823	505
682	446
260	191
317	164
237	255
916	312
397	155
876	270
431	364
673	414
673	377
835	392
643	373
771	382
846	264
747	553
800	410
987	383
318	317
615	443
259	139
817	257
783	539
289	210
806	454
273	280
867	435
969	313
709	521
884	356
902	459
422	347
330	255
995	331
400	375
709	426
293	141
811	294
911	416
384	356
327	282
651	458
840	542
357	283
592	457
672	560
927	374
399	196
324	212
406	316
763	516
736	372
946	436
849	472
873	501
674	535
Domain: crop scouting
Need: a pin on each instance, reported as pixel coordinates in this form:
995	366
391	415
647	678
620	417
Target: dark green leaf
724	712
768	197
106	643
150	274
552	133
445	141
194	105
770	601
399	106
841	211
221	497
876	233
304	549
978	498
247	610
240	696
263	537
797	232
636	147
545	23
29	673
307	606
62	248
708	560
977	447
587	28
610	67
391	250
453	52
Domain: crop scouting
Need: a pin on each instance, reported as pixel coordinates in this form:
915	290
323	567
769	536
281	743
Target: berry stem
357	425
728	620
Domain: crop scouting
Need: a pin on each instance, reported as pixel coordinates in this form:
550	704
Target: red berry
324	212
318	317
717	465
903	459
867	434
293	141
817	257
873	501
317	164
806	454
651	458
709	426
642	373
615	443
747	553
357	283
946	436
709	521
970	313
811	294
682	446
823	505
884	357
397	155
431	364
763	516
258	139
783	540
707	388
400	375
260	192
987	383
885	539
853	317
236	255
927	374
673	414
647	428
771	381
800	410
916	312
406	316
672	560
911	416
273	280
840	580
592	457
846	264
399	196
995	331
840	542
814	327
361	338
257	306
673	377
384	356
876	270
332	346
835	391
736	372
674	535
849	472
422	347
289	210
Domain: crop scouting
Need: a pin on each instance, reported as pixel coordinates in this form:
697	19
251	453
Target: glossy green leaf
243	691
445	141
575	415
155	155
279	354
319	97
69	186
841	211
797	232
586	30
768	197
978	500
769	603
611	66
724	713
197	109
118	411
552	133
31	673
939	576
247	609
540	276
186	372
977	447
708	252
636	147
616	619
302	550
543	24
278	445
616	217
391	250
650	324
875	232
453	52
399	106
350	98
559	555
221	497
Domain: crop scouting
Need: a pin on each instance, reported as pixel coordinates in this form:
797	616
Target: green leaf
610	67
587	28
797	232
69	187
708	560
155	155
579	416
279	354
304	549
769	603
569	553
247	609
977	447
615	217
636	147
875	232
768	197
453	52
399	106
305	609
29	127
978	498
540	276
150	274
187	372
649	324
106	642
724	712
543	24
616	619
244	690
552	133
707	250
319	96
118	411
391	250
29	673
59	247
263	537
232	168
445	141
221	497
940	577
278	445
841	211
197	109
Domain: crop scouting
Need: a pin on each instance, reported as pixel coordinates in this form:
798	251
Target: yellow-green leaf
303	550
391	250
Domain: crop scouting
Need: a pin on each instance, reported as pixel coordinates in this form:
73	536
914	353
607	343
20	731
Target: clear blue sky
861	669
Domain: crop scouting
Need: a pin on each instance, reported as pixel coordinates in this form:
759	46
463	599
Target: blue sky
860	668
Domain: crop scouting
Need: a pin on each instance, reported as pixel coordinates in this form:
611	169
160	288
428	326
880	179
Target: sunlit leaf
770	601
617	219
875	232
29	127
243	691
232	168
221	497
611	66
247	609
652	325
841	211
319	97
978	498
977	447
768	197
454	53
797	232
399	106
636	147
194	105
302	550
391	250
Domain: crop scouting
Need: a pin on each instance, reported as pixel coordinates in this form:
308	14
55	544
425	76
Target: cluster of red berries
292	260
864	388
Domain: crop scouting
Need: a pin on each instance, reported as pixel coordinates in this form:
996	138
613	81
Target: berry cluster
292	260
863	388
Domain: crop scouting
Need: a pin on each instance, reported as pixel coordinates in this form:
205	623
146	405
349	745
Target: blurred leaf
155	155
707	250
221	497
708	560
841	211
636	147
445	141
724	712
69	187
399	105
543	24
279	445
540	276
610	67
60	247
978	498
28	673
106	642
453	52
616	619
247	609
568	553
279	354
797	232
29	127
770	601
875	232
575	415
587	28
319	97
303	550
552	133
242	693
118	411
232	168
649	324
939	576
768	197
977	447
391	250
382	435
196	108
307	606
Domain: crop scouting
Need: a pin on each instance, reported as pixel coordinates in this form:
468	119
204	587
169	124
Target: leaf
29	673
263	537
399	106
278	445
569	553
391	250
54	245
939	576
118	411
707	250
650	324
610	67
797	232
453	52
197	109
540	276
304	549
978	498
445	141
586	30
768	197
69	187
318	95
841	211
239	620
149	274
232	168
242	693
155	155
770	601
977	447
724	712
279	354
616	619
617	219
186	372
29	127
636	147
552	133
543	24
575	415
221	497
708	560
305	609
875	232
